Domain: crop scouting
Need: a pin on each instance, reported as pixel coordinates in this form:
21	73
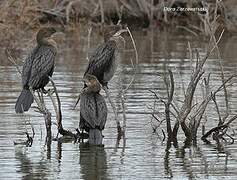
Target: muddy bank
186	15
143	13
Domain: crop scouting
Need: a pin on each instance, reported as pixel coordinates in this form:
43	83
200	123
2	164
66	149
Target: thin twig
12	60
134	45
217	108
114	110
102	11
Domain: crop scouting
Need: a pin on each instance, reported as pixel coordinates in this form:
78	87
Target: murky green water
142	155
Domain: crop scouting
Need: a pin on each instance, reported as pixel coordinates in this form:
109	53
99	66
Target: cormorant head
92	83
118	38
44	33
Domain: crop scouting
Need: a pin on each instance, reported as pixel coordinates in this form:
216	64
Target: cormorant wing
42	65
26	70
102	109
38	64
101	60
88	109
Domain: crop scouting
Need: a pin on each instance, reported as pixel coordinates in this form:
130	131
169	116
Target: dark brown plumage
37	67
93	110
104	59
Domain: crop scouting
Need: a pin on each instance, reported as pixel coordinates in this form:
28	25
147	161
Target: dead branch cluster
190	115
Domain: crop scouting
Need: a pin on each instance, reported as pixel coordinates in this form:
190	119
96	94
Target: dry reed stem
87	57
13	61
188	30
119	129
102	11
68	9
222	77
217	109
88	42
123	91
134	45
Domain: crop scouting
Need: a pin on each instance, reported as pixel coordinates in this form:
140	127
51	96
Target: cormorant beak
119	32
119	38
58	36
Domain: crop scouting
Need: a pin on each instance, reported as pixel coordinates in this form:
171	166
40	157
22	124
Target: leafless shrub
190	114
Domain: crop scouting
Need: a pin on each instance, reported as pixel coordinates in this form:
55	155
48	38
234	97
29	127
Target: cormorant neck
117	42
40	40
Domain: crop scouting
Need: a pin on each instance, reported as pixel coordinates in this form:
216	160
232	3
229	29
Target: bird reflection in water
93	162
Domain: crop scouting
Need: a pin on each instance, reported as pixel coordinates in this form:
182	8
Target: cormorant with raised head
104	59
93	110
37	67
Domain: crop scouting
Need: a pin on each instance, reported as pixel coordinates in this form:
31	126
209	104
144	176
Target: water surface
142	154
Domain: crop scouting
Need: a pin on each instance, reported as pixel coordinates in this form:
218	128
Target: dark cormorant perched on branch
103	61
93	110
37	67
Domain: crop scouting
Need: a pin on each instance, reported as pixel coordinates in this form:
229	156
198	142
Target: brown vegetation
26	14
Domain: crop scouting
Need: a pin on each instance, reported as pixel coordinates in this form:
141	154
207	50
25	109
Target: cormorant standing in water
37	67
103	61
93	110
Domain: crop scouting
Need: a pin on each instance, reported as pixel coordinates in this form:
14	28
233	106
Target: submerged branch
221	127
